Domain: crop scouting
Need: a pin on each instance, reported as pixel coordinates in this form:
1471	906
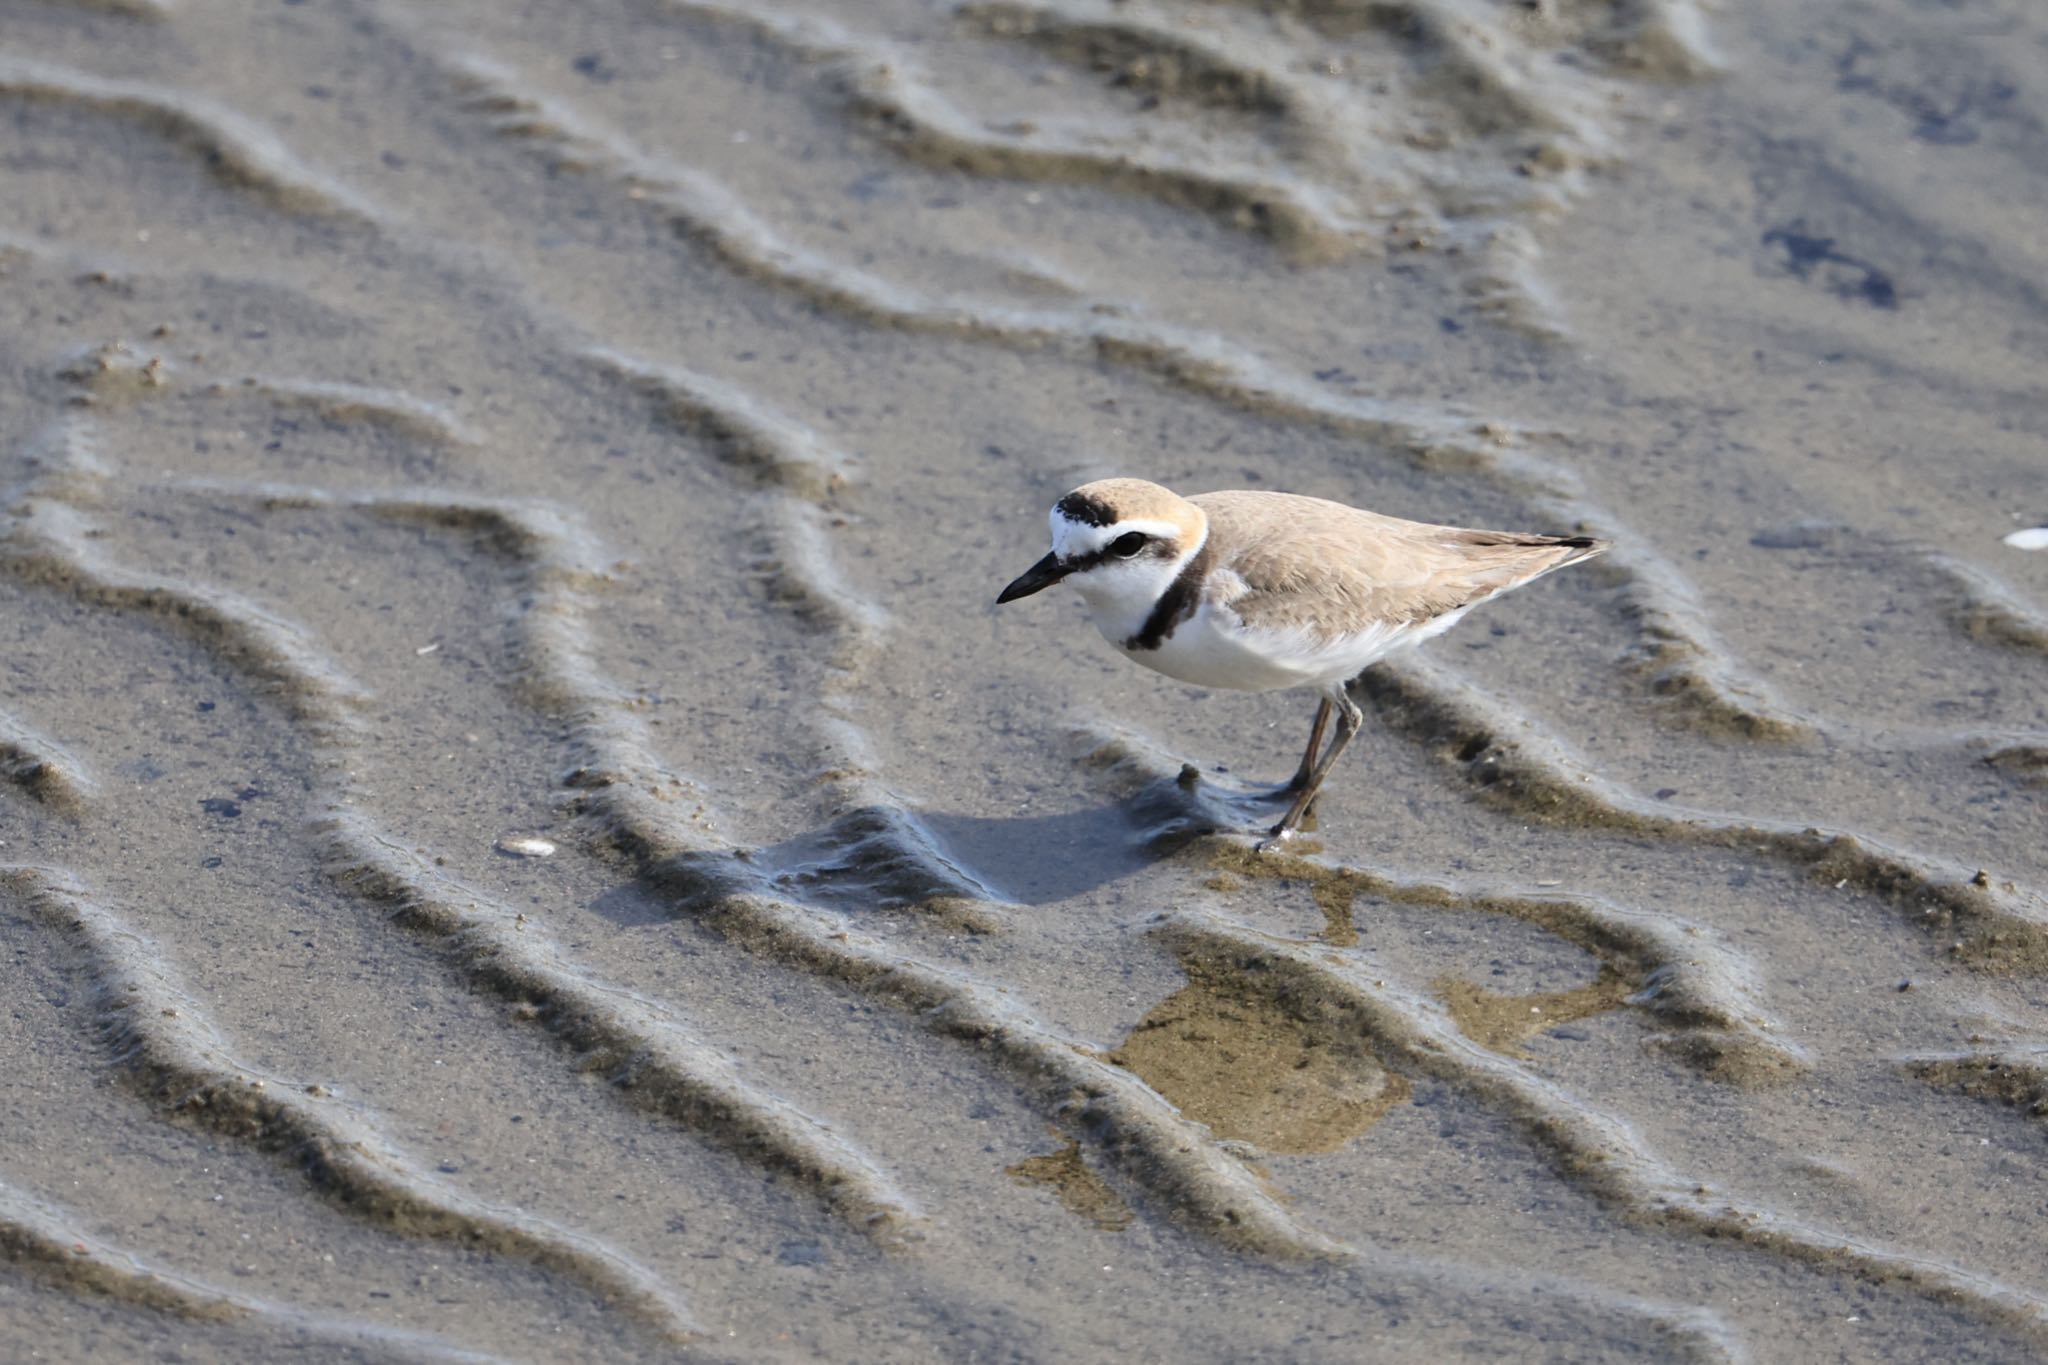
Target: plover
1261	591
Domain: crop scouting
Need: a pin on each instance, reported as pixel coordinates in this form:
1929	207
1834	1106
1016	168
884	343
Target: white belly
1213	649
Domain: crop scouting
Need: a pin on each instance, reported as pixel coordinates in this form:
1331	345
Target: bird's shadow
884	857
895	854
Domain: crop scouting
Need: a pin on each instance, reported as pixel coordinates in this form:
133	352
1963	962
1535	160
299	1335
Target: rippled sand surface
523	835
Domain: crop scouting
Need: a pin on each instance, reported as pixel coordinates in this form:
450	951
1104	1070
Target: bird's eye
1128	544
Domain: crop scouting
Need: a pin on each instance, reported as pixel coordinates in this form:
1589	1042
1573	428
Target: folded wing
1329	570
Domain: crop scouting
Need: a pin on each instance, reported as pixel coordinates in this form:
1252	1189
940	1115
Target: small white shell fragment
525	846
424	650
2033	538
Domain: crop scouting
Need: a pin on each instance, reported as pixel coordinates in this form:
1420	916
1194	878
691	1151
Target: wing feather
1298	563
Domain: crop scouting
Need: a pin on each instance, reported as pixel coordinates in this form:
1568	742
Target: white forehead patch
1074	539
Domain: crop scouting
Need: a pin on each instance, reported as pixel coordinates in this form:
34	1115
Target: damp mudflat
524	836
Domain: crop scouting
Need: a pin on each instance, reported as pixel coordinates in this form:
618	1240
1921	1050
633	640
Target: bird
1258	591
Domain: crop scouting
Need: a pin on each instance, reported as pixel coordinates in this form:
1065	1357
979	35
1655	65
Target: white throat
1121	595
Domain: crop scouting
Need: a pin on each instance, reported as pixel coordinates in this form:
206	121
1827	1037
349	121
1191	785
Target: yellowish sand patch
1502	1022
1238	1063
1077	1188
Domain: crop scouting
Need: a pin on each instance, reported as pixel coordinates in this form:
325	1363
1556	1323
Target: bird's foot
1277	839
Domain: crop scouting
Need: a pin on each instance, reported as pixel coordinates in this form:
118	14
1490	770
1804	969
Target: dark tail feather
1576	548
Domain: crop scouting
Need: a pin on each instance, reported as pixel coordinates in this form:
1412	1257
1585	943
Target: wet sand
431	429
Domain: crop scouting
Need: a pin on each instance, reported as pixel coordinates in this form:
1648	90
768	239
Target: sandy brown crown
1106	502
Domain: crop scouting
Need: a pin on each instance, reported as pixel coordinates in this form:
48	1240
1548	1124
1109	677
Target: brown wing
1308	563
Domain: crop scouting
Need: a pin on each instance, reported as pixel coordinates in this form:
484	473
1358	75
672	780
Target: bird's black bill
1037	578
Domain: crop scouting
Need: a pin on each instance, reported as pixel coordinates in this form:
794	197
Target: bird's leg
1308	756
1349	718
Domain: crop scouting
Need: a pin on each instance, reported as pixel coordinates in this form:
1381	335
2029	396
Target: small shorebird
1262	591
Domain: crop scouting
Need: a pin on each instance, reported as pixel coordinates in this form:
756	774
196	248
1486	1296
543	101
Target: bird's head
1120	542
